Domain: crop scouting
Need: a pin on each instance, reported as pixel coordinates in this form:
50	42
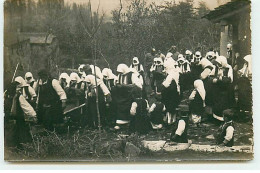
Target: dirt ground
83	143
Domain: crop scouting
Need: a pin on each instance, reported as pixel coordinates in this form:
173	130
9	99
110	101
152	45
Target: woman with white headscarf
197	101
75	90
136	65
126	82
245	85
26	90
222	88
109	80
30	80
96	87
158	75
184	69
64	80
171	91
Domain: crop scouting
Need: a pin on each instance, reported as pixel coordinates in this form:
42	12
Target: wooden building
33	51
234	18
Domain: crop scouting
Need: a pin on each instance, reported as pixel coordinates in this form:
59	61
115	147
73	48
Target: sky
108	5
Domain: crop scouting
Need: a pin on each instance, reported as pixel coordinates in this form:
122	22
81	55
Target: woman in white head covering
127	81
109	78
76	89
136	65
171	92
30	80
197	101
184	65
26	90
64	80
158	75
244	84
222	88
246	71
98	71
80	70
96	87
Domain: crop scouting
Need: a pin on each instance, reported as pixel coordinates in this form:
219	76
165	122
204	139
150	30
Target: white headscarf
123	68
21	82
75	77
199	86
80	68
137	61
169	64
98	71
108	72
90	79
28	74
205	62
223	61
64	76
247	69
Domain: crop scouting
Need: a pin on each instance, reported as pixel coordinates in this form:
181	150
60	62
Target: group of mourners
120	101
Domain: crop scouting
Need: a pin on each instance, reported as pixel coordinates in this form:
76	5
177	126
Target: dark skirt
223	98
51	114
196	105
244	94
92	114
170	97
140	124
123	101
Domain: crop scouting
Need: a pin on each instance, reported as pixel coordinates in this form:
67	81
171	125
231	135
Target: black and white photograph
127	81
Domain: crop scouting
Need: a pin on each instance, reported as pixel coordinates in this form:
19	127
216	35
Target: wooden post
223	38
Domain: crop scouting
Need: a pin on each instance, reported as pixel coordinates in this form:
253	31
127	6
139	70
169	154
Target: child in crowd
140	122
157	112
225	136
197	102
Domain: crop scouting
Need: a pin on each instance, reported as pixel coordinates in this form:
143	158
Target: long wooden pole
15	71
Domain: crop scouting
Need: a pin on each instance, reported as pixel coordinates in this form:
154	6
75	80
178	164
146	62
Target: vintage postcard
127	80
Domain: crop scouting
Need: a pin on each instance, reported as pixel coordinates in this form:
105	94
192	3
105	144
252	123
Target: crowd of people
218	86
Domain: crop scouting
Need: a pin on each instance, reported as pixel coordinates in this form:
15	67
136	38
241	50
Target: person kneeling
180	134
140	122
225	136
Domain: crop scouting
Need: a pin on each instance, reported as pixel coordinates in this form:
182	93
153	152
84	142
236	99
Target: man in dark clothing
51	100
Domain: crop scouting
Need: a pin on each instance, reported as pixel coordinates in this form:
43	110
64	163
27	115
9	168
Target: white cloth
26	107
108	72
134	107
223	61
27	75
247	68
181	127
151	109
199	87
75	77
31	92
206	71
80	69
59	90
90	79
172	75
204	62
98	71
66	77
21	82
122	68
229	133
